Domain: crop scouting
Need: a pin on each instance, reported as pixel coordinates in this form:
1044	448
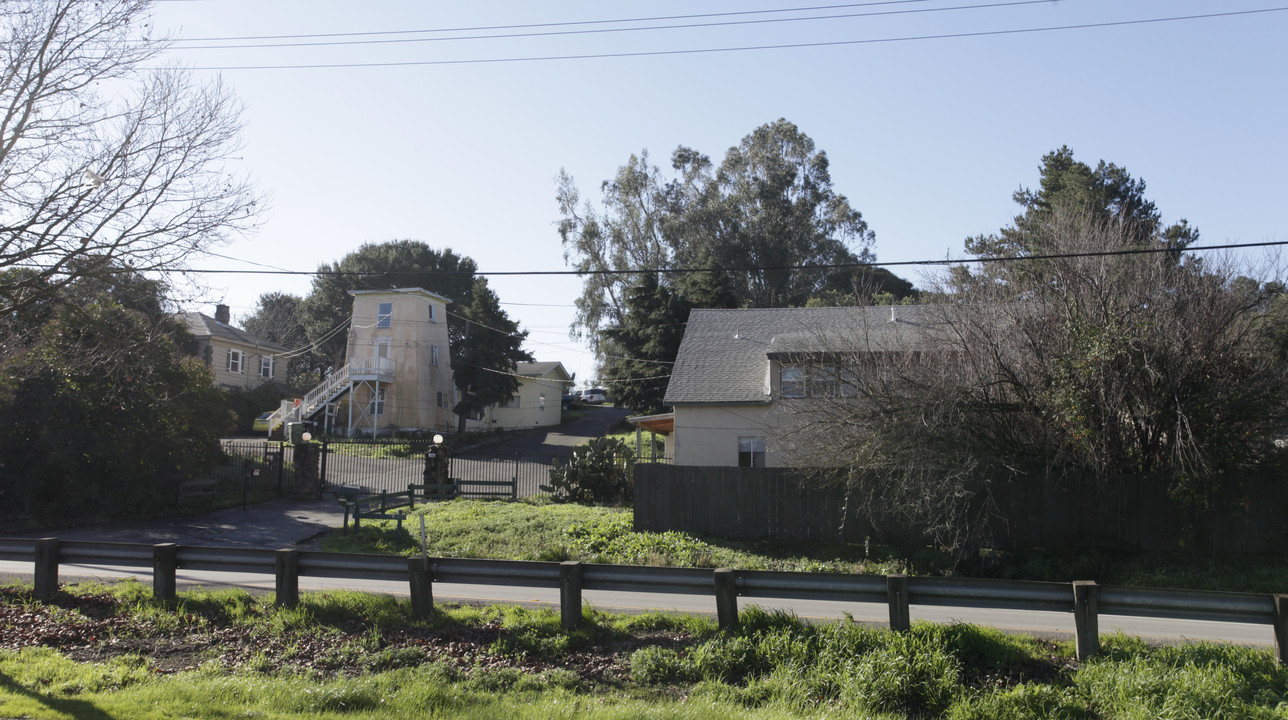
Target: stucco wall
411	399
530	412
708	434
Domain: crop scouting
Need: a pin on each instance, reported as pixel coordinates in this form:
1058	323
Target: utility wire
598	31
573	23
730	268
745	48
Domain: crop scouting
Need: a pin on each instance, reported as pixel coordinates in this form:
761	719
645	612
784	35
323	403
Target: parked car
260	424
571	400
594	396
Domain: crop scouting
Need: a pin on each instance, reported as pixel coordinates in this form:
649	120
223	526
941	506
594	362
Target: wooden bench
439	491
375	507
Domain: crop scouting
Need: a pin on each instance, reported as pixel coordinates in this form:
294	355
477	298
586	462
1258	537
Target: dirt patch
98	627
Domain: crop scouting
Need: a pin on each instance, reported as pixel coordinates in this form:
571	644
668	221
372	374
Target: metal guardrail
1082	599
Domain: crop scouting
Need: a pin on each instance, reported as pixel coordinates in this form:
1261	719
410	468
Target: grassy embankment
108	652
535	531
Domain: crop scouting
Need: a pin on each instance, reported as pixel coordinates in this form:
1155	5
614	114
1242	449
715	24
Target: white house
741	376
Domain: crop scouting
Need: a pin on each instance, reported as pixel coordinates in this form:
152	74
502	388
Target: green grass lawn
115	652
547	531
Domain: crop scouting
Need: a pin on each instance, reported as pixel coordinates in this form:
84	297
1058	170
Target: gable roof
539	369
402	291
724	356
204	326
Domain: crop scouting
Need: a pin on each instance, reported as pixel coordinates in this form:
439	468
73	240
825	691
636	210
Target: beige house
399	361
538	400
238	359
742	377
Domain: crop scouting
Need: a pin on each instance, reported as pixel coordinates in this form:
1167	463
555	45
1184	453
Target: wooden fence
1132	513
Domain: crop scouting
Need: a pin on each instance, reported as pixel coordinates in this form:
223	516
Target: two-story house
744	379
238	359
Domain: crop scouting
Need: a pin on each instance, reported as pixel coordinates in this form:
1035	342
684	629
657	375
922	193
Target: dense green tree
641	351
102	413
277	317
484	354
380	266
770	204
1106	194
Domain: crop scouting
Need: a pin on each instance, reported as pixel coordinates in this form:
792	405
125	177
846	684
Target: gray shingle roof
202	326
537	369
724	356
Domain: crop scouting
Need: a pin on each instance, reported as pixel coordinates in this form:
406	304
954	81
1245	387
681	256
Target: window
822	381
235	359
384	314
377	404
382	347
433	355
512	403
442	400
266	366
751	452
432	317
792	378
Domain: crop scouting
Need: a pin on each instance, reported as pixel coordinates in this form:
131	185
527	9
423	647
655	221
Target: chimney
221	314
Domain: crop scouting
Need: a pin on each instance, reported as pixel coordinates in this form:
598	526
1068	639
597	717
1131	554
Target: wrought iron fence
250	468
373	464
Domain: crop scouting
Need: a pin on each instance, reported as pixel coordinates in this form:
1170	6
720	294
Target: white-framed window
266	366
377	404
433	354
433	314
236	359
382	346
751	452
442	400
384	314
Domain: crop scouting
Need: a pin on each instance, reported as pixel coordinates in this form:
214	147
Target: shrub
600	474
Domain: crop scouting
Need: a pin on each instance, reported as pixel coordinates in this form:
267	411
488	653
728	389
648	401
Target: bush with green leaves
597	473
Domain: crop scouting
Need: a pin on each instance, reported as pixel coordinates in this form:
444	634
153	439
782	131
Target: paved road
561	439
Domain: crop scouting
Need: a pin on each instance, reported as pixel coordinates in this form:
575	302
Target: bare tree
106	164
1094	366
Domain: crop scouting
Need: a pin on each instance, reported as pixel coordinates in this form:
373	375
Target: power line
480	28
599	31
745	48
727	268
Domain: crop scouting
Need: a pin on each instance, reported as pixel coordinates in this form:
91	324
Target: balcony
372	369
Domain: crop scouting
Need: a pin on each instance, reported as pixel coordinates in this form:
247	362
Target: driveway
563	438
276	523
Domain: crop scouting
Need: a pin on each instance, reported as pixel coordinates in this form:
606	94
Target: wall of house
249	376
412	398
531	412
707	435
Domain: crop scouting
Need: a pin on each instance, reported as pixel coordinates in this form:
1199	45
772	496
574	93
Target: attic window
384	314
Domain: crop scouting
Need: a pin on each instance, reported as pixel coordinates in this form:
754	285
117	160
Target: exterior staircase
331	388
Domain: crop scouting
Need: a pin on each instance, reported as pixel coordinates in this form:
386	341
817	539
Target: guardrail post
422	588
288	577
897	595
1281	628
570	594
165	561
1086	621
46	569
726	598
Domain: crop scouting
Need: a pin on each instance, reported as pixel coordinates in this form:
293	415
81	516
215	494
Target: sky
931	112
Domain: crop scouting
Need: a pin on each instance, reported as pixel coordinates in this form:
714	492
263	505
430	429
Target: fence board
1125	512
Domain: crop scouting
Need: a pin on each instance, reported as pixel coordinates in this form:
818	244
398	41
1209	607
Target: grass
539	530
553	532
350	655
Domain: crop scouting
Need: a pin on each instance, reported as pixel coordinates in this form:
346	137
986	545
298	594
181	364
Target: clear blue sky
928	138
